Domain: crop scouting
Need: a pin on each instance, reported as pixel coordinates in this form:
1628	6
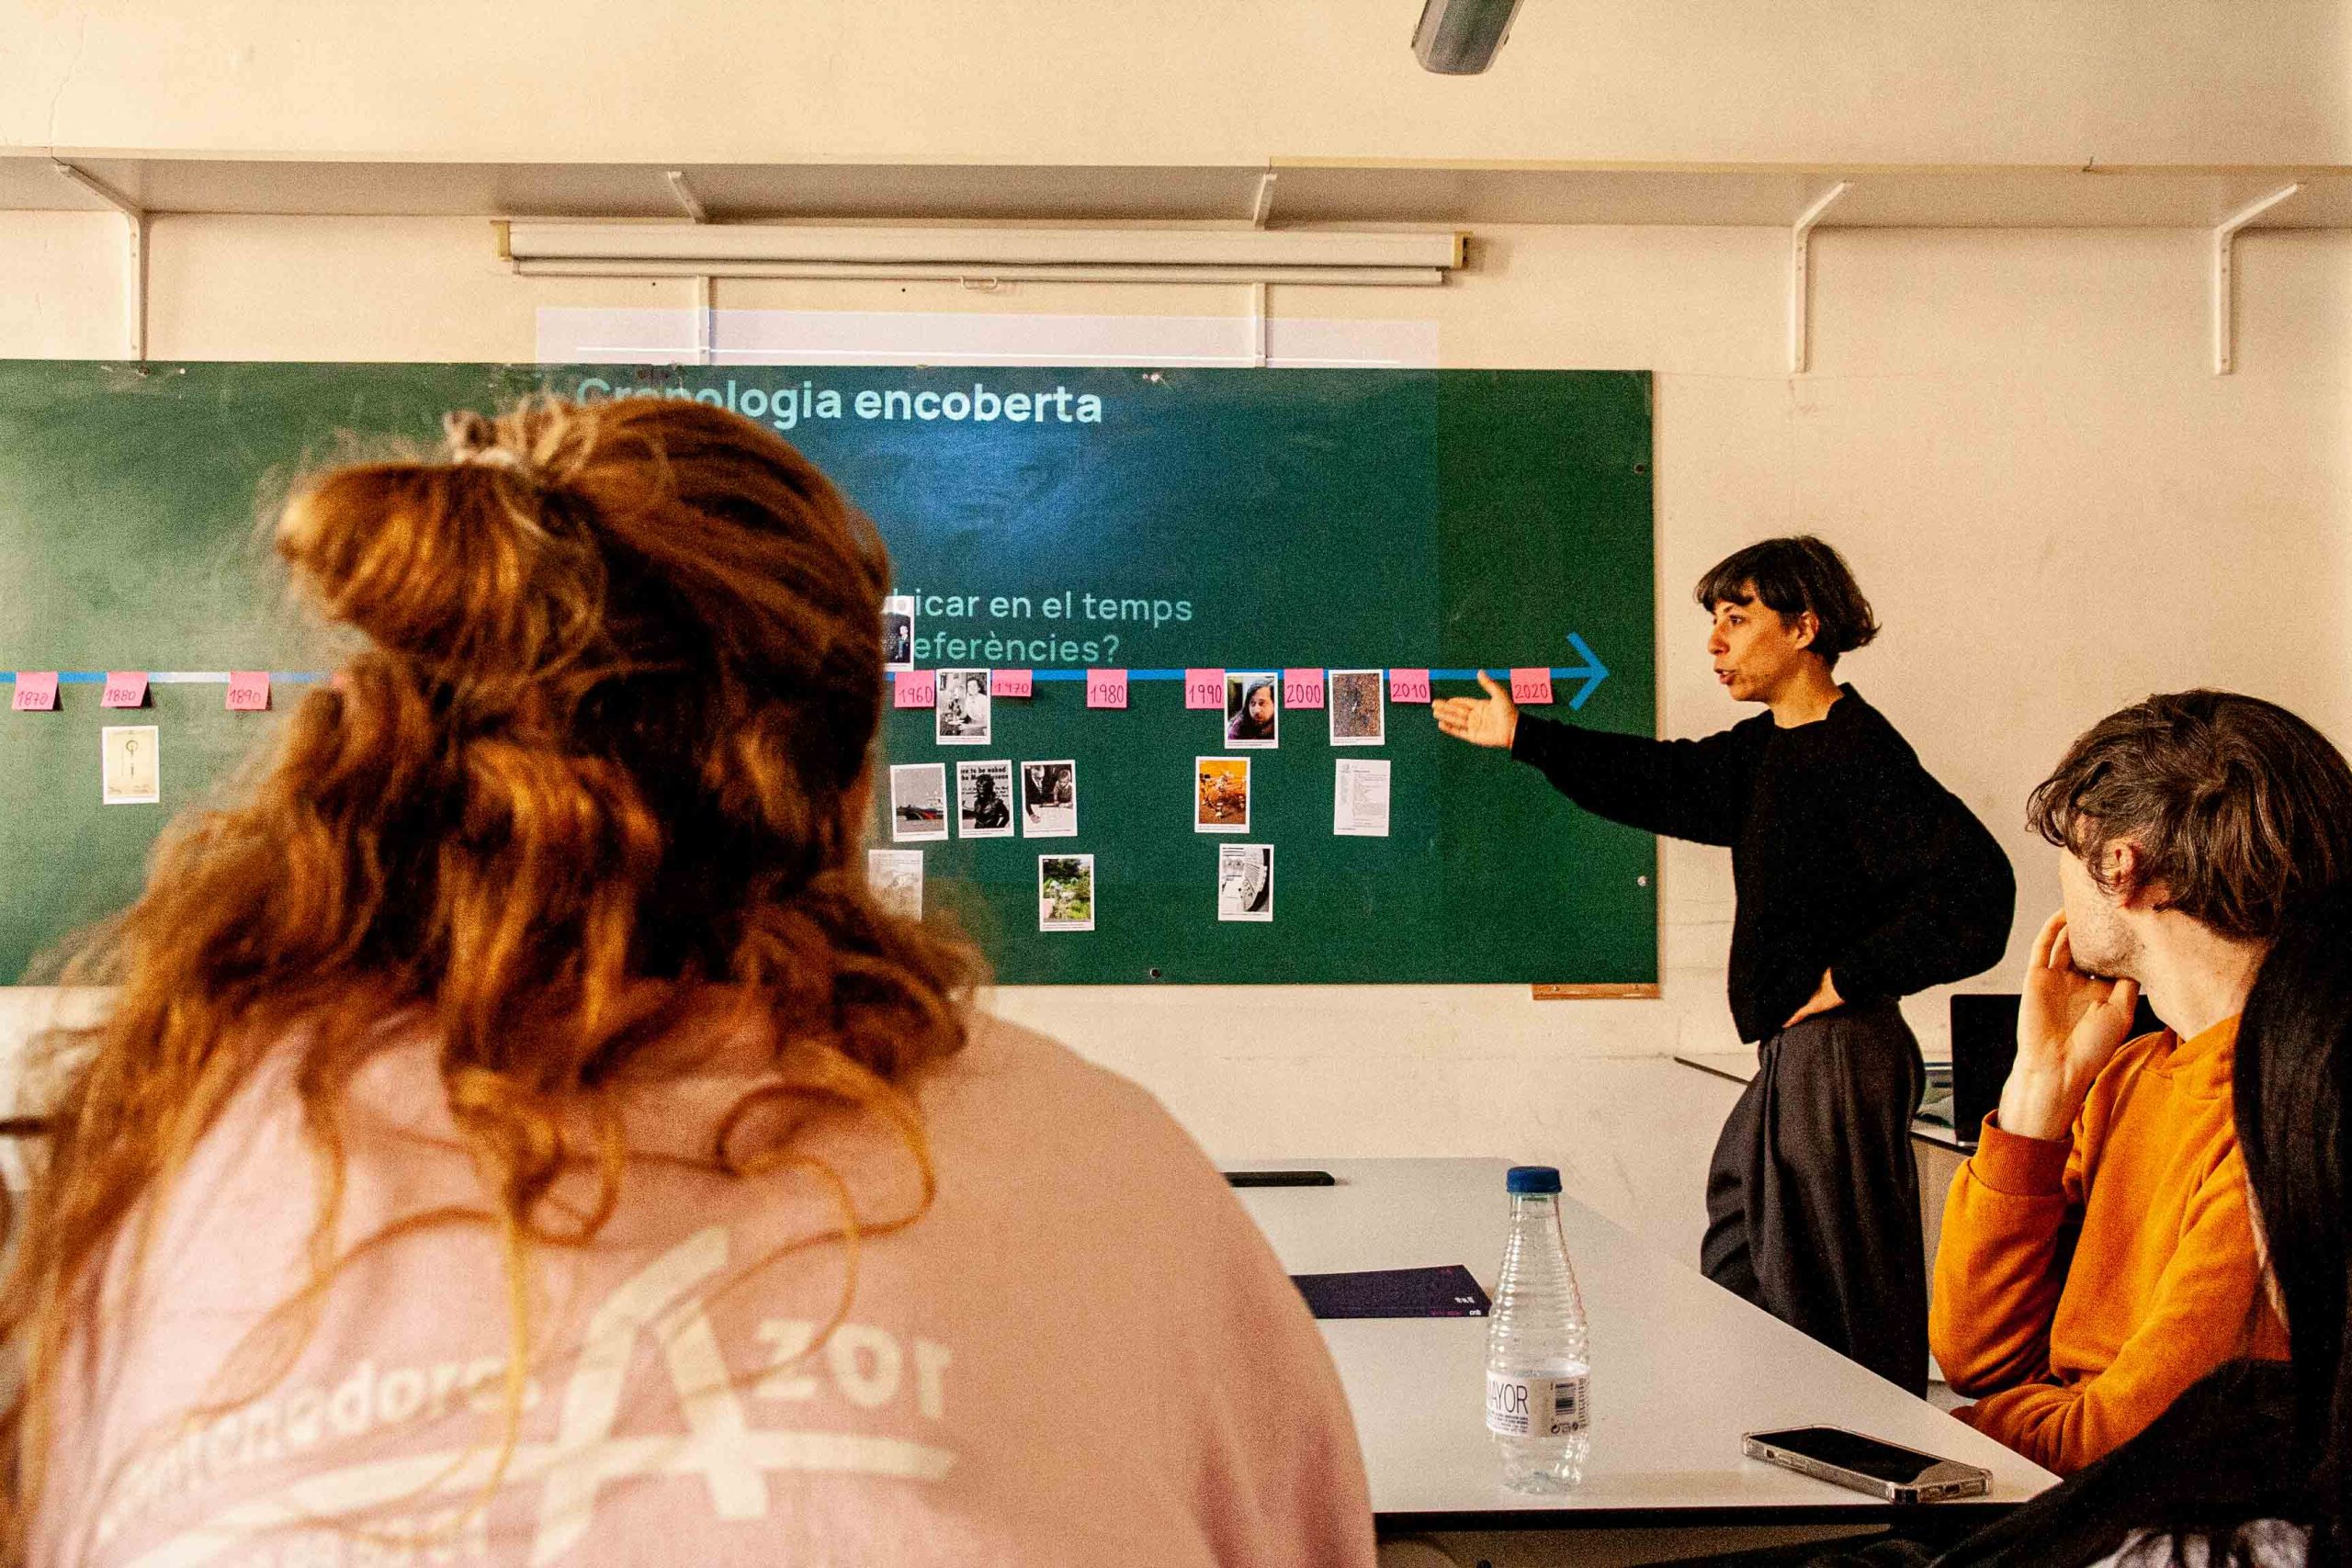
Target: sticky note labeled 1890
1106	688
130	765
248	691
36	691
1530	687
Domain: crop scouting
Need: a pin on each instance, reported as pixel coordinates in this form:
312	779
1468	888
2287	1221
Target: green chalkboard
1055	519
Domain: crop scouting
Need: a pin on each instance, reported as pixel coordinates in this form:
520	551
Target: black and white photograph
1253	709
961	715
899	632
895	878
1358	706
984	800
918	802
1050	800
1244	882
1065	893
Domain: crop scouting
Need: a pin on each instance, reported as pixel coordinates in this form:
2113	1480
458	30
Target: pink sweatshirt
1084	1353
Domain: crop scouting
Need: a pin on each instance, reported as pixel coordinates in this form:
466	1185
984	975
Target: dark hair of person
2240	810
1790	577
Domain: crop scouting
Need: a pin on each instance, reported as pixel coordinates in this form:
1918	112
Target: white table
1681	1368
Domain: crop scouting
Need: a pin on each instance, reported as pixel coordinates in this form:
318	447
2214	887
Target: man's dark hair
2241	811
1790	576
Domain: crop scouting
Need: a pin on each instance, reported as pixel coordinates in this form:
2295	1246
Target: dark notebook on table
1448	1291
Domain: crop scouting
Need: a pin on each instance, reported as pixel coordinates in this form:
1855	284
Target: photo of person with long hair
519	1131
1253	708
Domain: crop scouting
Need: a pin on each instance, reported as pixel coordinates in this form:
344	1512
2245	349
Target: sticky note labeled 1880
125	689
130	765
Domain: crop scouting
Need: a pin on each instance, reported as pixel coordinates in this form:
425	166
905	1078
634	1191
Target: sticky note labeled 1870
248	691
125	689
1408	685
915	689
36	691
1106	688
1530	687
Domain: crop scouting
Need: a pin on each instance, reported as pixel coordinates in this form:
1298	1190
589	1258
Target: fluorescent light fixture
779	250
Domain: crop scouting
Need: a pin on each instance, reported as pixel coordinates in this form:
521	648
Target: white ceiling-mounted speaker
1458	38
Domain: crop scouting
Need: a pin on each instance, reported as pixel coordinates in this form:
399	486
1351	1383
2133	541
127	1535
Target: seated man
2096	1258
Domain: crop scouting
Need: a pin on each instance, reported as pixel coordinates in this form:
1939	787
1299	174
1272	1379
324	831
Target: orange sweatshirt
2082	1284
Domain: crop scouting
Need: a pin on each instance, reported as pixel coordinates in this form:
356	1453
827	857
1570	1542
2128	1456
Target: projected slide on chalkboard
1167	641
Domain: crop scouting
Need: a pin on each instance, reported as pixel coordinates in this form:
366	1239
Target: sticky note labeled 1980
130	765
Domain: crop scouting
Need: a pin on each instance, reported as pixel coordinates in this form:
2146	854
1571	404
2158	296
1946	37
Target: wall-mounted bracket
1258	324
2226	236
683	194
1801	274
134	278
1262	207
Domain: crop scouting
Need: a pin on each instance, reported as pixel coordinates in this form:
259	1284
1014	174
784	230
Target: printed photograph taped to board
918	802
1244	882
1049	799
1357	699
1253	711
899	632
984	800
130	765
895	878
1220	794
961	717
1065	893
1360	797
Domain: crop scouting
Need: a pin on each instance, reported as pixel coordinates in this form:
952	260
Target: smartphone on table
1866	1464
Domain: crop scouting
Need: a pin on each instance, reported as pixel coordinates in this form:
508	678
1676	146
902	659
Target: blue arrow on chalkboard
1593	671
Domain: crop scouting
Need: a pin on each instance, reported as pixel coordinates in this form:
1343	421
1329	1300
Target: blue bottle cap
1532	1178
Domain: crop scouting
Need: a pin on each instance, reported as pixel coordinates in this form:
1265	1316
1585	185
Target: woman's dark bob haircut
1790	576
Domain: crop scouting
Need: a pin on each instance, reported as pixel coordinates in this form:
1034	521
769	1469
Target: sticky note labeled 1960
36	691
248	691
1302	688
1106	688
1012	682
1204	689
1530	687
131	769
1408	685
915	689
125	689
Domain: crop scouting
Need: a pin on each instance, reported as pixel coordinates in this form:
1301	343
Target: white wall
2015	436
1217	82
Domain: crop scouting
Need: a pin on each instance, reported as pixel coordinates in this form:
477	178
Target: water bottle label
1537	1406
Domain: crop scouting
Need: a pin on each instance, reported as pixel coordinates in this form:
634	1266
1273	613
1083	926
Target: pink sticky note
1204	689
1106	688
1302	688
248	691
1530	685
1408	685
1012	683
36	691
915	689
125	689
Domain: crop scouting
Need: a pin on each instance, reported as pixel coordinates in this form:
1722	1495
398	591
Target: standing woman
519	1136
1860	880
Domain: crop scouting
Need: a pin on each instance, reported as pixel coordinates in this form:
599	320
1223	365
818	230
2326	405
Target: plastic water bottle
1538	1362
